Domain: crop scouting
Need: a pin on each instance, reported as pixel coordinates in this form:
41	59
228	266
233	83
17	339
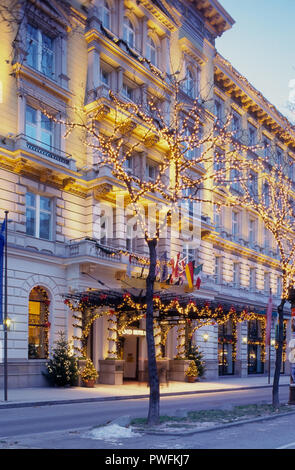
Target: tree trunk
279	353
154	400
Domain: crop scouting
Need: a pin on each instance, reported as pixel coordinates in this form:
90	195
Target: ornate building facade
65	58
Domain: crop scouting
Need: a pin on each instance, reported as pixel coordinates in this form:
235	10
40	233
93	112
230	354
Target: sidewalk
41	396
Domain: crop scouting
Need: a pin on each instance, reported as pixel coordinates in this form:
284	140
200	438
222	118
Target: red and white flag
268	320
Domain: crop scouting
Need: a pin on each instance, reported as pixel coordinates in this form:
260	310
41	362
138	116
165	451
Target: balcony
36	150
90	249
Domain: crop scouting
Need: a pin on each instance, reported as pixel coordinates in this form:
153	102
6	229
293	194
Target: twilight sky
261	46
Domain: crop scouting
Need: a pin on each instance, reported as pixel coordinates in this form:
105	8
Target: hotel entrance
130	343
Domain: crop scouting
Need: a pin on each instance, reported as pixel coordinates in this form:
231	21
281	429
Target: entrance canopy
168	307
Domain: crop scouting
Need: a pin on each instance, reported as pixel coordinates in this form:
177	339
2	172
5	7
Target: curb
121	398
219	427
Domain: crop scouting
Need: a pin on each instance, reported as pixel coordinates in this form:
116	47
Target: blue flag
2	243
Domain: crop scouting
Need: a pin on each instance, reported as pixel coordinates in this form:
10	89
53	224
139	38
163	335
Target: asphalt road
61	426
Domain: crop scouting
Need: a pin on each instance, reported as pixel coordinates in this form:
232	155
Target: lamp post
291	357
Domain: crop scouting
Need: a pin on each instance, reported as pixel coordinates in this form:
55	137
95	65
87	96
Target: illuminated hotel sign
134	332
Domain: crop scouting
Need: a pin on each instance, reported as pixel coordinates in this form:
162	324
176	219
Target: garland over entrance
124	308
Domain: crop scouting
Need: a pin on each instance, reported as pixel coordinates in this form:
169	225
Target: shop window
38	323
226	348
256	346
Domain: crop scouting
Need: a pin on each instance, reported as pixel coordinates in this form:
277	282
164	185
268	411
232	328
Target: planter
111	371
89	383
191	379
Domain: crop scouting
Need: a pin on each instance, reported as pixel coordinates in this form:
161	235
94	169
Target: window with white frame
40	51
38	216
39	128
151	51
128	164
236	124
235	223
266	238
189	84
151	170
130	238
188	253
105	77
128	32
252	231
128	91
106	15
218	109
217	216
266	282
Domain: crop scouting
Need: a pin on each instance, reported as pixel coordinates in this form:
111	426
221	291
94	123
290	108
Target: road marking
292	444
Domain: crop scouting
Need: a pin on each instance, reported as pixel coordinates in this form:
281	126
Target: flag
189	271
268	320
175	268
197	272
2	243
182	275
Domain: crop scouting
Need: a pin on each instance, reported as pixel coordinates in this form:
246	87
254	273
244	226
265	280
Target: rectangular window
236	124
105	77
38	216
252	231
218	276
128	91
252	279
151	170
266	282
40	51
252	136
235	224
39	127
267	147
218	110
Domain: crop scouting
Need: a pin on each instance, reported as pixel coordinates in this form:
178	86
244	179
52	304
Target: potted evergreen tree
88	374
191	372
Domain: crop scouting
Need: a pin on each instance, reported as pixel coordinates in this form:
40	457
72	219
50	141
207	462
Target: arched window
38	323
106	15
128	32
151	51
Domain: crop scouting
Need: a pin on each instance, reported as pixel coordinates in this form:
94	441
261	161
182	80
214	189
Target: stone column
157	336
112	337
181	341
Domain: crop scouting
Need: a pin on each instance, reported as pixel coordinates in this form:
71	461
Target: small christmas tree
195	354
62	369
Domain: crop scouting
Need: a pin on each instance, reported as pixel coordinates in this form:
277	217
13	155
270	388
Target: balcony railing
35	146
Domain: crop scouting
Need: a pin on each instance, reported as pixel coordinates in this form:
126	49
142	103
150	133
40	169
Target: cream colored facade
85	51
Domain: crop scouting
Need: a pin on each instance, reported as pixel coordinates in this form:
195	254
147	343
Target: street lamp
291	357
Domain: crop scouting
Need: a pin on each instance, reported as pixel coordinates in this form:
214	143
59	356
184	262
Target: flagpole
5	313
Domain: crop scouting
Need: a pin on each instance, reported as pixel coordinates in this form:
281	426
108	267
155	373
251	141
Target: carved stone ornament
101	190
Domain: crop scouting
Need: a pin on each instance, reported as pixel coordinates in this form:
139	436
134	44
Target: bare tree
268	190
191	168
